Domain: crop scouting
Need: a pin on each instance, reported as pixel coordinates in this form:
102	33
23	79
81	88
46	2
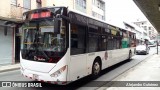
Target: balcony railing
17	11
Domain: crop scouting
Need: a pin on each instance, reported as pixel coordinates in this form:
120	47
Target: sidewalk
9	67
148	70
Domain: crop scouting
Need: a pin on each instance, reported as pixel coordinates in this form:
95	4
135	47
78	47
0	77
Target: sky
123	10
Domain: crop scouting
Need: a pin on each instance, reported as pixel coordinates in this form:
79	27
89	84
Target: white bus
60	46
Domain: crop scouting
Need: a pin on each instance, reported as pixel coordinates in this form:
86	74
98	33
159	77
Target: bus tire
96	69
130	55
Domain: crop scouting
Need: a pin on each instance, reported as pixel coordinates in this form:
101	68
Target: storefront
9	44
6	44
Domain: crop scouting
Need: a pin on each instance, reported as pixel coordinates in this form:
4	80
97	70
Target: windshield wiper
38	45
44	54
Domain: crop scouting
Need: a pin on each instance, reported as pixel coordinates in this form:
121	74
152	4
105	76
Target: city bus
59	45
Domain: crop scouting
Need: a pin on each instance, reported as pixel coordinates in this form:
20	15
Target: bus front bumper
45	77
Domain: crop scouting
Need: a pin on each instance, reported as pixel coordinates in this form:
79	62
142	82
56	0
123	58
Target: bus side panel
77	66
114	57
90	59
105	57
120	54
108	58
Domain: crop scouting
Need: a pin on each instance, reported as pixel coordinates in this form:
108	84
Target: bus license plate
35	76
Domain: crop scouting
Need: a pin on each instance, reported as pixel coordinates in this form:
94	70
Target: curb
9	68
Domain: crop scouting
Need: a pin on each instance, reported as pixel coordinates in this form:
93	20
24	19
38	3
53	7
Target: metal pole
157	47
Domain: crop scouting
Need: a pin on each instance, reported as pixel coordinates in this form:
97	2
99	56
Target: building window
14	2
81	3
99	4
149	28
94	14
145	27
93	1
103	18
142	23
39	3
150	33
27	4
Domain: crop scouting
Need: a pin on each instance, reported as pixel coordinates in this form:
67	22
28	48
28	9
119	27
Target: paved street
117	70
85	83
53	41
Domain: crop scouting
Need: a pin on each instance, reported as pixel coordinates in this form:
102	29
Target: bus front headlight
58	72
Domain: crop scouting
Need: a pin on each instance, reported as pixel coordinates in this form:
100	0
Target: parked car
142	49
152	44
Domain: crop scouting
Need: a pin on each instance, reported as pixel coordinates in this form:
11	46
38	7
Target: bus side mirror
57	24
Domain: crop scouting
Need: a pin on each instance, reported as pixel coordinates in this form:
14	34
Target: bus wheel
130	55
96	69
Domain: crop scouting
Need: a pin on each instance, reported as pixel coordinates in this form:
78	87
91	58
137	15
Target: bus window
110	43
93	42
93	39
103	40
125	42
77	39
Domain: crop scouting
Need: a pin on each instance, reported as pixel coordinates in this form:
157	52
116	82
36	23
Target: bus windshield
39	39
43	38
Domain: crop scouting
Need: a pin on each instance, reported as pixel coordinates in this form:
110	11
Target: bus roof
78	12
83	14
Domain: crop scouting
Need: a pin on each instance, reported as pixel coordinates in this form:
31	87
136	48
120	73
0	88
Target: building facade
95	8
150	31
140	37
98	9
12	11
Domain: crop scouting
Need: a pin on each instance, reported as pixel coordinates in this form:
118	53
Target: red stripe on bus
49	82
55	82
65	82
41	80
